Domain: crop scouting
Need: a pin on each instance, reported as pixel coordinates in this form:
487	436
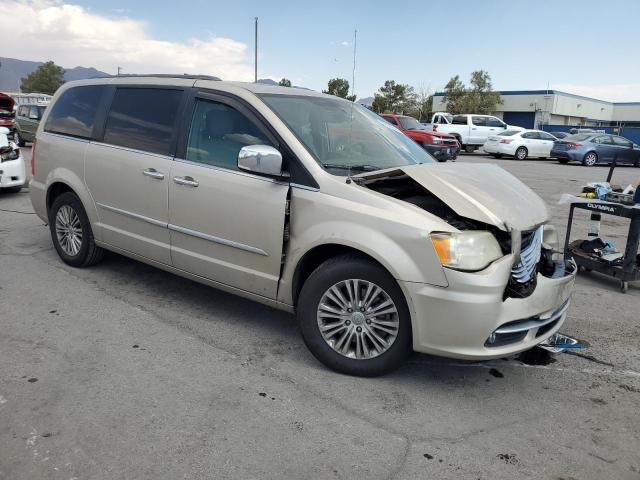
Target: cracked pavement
125	371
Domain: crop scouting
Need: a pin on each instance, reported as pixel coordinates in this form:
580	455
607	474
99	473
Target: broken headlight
469	251
8	153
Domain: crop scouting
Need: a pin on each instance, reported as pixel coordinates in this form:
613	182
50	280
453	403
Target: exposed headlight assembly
8	153
468	251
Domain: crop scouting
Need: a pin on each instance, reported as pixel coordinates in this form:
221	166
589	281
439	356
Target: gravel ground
124	371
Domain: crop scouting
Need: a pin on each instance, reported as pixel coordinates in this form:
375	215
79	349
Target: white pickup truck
471	130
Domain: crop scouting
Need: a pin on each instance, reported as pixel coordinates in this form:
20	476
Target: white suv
305	202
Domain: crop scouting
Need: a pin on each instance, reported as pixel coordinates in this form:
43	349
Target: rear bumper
12	173
501	148
469	319
568	154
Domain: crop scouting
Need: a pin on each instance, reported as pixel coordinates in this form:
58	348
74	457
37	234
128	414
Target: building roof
551	92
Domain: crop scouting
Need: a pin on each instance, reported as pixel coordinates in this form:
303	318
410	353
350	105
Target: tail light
33	158
506	140
574	145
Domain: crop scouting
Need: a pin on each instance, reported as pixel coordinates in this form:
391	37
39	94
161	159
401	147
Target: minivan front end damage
513	289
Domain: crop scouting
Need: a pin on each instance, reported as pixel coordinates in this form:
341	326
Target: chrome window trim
66	137
137	216
221	241
228	170
132	150
304	187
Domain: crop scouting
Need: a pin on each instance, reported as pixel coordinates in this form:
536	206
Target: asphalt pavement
124	371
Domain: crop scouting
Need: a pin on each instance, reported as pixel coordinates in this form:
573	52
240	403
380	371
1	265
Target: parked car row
441	146
587	148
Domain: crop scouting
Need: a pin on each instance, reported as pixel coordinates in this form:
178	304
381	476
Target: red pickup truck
441	146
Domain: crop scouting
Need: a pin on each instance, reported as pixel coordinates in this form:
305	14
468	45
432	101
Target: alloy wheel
358	319
590	159
69	230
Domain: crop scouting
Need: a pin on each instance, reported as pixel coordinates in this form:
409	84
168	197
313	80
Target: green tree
47	78
340	88
424	104
454	95
394	97
478	98
481	97
285	82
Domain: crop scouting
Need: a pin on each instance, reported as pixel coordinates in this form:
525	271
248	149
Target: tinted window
34	113
494	122
602	140
391	120
546	136
580	137
479	121
218	132
143	118
621	142
459	120
508	133
74	113
23	110
530	135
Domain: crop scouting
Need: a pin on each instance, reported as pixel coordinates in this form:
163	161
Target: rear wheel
521	153
354	318
469	148
71	232
590	159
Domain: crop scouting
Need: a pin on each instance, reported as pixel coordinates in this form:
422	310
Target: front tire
590	159
71	232
521	153
354	317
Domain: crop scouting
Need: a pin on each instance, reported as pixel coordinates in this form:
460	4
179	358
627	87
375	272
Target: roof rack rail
165	75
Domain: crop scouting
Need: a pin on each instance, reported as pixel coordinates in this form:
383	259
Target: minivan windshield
343	136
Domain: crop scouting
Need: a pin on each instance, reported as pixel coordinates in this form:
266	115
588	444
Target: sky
583	47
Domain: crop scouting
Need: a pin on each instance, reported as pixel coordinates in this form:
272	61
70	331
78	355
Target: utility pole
255	75
119	70
353	76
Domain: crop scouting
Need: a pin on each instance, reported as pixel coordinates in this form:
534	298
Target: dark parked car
27	121
560	135
592	148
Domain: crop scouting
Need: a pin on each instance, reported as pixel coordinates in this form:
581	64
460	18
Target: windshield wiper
354	168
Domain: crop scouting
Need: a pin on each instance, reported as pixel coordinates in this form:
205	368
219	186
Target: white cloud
625	92
71	36
345	44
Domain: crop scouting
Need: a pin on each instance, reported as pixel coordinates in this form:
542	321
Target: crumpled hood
482	192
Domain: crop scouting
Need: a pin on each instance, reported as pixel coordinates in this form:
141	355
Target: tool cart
627	270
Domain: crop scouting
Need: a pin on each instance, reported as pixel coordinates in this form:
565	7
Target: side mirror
260	159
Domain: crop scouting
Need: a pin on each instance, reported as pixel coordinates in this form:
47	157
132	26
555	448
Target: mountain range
13	70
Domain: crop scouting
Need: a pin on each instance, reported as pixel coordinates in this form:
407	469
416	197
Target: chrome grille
525	270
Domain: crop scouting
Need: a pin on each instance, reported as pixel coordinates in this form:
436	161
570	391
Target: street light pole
255	75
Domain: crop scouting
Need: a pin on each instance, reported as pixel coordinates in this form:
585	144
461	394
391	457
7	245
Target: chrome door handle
187	181
153	173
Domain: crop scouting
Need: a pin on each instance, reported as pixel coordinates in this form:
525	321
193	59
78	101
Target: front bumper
12	173
441	152
459	321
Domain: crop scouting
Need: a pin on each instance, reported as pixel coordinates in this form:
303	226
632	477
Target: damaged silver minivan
305	202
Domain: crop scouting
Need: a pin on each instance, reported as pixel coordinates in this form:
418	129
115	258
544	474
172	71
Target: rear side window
143	119
479	121
74	113
530	135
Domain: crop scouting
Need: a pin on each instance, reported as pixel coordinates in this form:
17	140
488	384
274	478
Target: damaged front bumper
12	173
471	319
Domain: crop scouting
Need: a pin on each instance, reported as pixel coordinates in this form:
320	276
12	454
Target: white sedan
520	144
12	167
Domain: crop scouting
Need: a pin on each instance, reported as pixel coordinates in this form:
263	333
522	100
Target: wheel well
316	257
55	190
